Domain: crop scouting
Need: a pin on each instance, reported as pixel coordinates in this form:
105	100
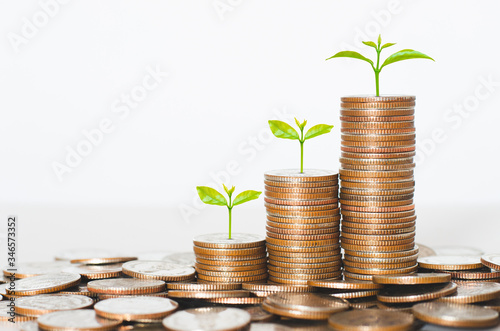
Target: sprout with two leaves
213	197
285	131
405	54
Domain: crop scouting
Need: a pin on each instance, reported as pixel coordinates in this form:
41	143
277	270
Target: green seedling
405	54
285	131
213	197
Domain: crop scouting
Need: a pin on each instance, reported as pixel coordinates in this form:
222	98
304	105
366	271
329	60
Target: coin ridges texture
126	286
47	303
135	308
158	270
80	319
46	283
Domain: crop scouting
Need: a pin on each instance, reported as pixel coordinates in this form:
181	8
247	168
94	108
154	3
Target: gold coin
354	294
308	271
371	119
228	274
374	265
275	249
377	249
364	174
303	237
344	284
346	229
473	292
371	198
389	237
380	271
390	167
378	112
303	214
233	263
376	162
301	243
208	294
379	223
376	204
301	196
311	190
395	216
203	286
233	279
237	301
414	279
295	265
295	231
377	105
277	207
328	183
335	259
455	315
452	262
294	175
300	252
273	288
229	252
377	125
298	222
221	240
376	137
382	255
297	202
377	192
218	268
405	155
377	131
378	186
104	260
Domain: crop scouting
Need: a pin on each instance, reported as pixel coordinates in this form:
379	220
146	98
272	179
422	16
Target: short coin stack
377	186
302	225
237	260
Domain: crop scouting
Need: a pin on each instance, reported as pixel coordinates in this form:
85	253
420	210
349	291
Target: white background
232	65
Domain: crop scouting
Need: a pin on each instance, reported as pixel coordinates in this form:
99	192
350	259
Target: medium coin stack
237	260
302	225
377	186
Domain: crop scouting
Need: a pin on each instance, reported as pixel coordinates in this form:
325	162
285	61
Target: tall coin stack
302	225
377	186
241	259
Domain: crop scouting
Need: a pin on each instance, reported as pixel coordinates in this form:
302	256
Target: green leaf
297	121
210	196
387	45
246	196
303	125
370	43
228	191
379	39
405	54
351	54
318	130
282	130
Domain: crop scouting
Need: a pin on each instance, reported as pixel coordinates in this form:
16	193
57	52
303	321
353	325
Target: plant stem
377	72
230	209
301	140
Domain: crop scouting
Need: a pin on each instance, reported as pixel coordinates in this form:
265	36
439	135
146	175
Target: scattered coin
215	318
6	310
413	279
46	303
474	292
237	301
30	269
99	271
454	315
450	262
184	258
344	284
126	286
415	293
46	283
491	261
259	315
371	319
160	270
136	309
208	294
457	250
80	319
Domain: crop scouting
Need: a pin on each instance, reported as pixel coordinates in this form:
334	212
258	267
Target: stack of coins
237	260
302	225
377	186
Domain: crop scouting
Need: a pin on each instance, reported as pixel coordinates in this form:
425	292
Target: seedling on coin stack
232	257
377	184
302	216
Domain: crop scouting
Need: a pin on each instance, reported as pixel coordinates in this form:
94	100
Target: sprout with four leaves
212	197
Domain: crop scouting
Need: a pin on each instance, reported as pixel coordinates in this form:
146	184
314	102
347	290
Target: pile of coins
377	186
243	258
302	225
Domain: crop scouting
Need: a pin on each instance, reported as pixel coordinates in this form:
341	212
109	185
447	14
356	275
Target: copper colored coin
160	270
98	271
377	192
209	267
300	196
297	202
376	204
413	279
453	315
303	227
294	231
303	236
377	105
378	224
47	303
79	319
450	262
231	274
377	112
346	229
380	271
373	265
304	305
308	223
147	309
307	270
349	276
376	131
361	173
294	175
302	252
230	252
376	162
294	265
393	167
285	281
278	207
259	315
125	286
30	269
395	216
378	149
393	260
344	284
388	237
382	255
378	186
46	283
474	292
371	319
304	214
474	274
378	99
354	294
221	240
371	119
377	242
295	190
491	260
415	293
491	304
218	318
207	294
249	261
377	180
266	287
328	183
233	279
237	301
301	243
377	125
330	258
203	286
350	155
304	276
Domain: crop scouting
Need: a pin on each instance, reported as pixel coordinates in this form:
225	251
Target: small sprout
285	131
212	197
405	54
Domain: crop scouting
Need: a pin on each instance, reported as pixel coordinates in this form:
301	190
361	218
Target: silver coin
136	308
269	327
93	271
236	238
30	326
452	260
7	311
300	175
48	283
184	258
41	304
473	292
425	251
125	286
158	270
208	318
458	250
454	315
80	319
30	269
307	302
